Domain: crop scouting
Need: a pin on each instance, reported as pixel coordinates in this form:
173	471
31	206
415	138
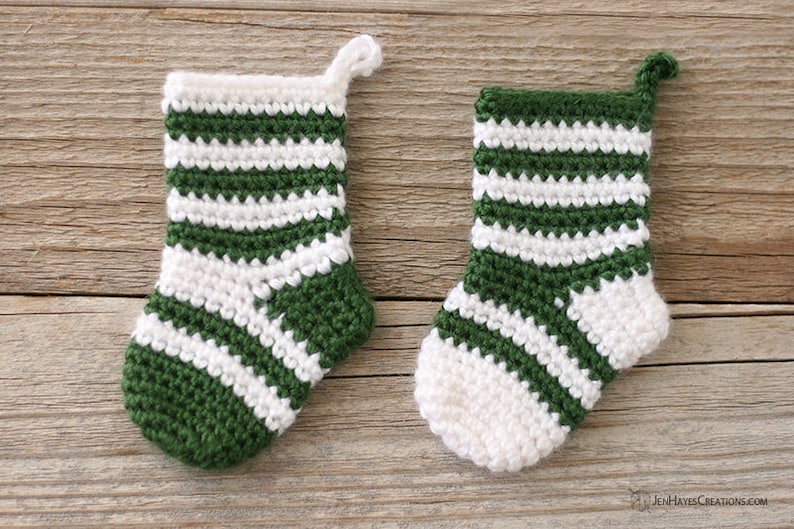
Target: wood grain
360	456
82	220
668	8
83	189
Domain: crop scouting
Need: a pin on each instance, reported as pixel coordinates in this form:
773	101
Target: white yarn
524	333
360	56
553	250
252	214
257	94
276	412
247	155
224	287
625	318
306	261
550	137
290	268
239	290
481	411
565	192
273	94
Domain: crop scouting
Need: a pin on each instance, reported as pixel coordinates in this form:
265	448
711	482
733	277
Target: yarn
257	297
558	295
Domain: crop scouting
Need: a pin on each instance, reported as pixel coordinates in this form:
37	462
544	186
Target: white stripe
526	334
549	137
481	411
258	94
287	269
538	191
229	288
253	214
306	261
552	250
218	363
258	154
255	321
625	318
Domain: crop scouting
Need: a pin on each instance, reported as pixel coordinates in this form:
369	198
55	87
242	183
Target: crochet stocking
558	294
257	296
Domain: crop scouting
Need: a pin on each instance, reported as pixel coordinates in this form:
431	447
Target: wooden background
82	222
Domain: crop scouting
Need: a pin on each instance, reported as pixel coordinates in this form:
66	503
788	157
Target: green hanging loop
656	67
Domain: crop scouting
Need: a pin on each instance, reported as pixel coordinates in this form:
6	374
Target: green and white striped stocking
257	296
558	294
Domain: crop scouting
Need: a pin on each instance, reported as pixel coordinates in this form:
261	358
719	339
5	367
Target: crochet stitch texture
558	293
257	296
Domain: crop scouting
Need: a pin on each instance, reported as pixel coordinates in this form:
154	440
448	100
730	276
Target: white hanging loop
360	56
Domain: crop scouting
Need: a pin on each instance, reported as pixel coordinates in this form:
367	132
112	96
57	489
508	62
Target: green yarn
555	165
615	108
657	67
213	327
451	325
267	183
332	312
187	413
629	108
235	127
557	296
532	290
248	314
559	219
557	281
257	244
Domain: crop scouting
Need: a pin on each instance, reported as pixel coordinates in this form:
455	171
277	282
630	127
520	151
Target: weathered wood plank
81	211
27	323
360	455
79	247
677	8
82	189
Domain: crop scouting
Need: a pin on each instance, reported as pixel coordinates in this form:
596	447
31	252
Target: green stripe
255	183
532	289
257	244
559	219
557	281
187	413
557	164
211	326
625	108
517	360
332	312
237	127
